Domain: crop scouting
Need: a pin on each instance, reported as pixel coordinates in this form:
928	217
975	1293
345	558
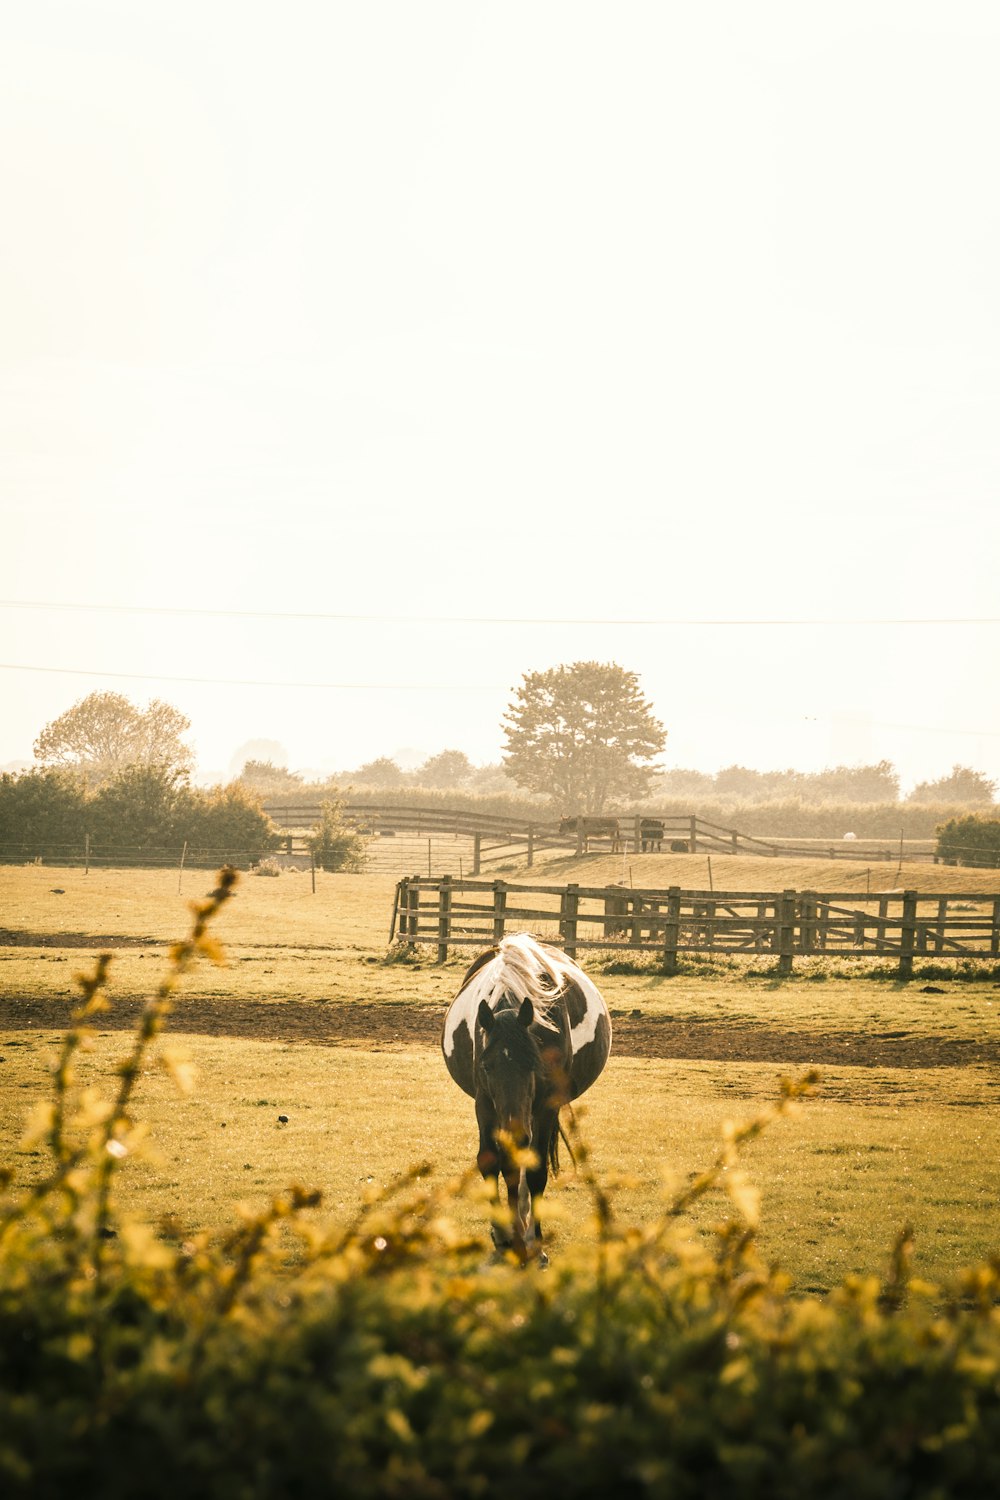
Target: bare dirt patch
379	1026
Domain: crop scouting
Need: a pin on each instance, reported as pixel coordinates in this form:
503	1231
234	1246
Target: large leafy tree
105	732
583	735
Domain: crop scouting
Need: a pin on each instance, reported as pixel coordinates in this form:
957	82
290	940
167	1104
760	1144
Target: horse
527	1033
587	828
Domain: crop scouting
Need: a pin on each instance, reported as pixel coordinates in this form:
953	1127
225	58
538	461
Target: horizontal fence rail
445	912
494	838
138	856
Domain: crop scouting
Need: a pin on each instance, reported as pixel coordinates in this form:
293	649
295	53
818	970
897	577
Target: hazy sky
350	350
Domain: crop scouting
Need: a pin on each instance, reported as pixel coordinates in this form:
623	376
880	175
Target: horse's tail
554	1147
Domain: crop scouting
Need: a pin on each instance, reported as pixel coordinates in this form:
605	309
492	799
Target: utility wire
374	687
386	619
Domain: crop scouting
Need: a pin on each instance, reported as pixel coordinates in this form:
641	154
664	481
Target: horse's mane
528	971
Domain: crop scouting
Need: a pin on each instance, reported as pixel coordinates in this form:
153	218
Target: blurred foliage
393	1357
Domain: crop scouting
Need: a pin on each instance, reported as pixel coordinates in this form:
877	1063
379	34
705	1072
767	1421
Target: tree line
580	737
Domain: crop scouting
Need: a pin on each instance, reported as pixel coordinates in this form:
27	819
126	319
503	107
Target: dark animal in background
651	835
527	1033
587	828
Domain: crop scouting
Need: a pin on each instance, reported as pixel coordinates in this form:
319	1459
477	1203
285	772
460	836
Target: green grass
878	1147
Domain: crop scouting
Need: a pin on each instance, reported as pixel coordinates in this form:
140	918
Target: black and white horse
527	1033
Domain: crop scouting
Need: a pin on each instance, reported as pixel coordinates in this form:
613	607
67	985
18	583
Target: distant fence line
495	837
445	913
128	856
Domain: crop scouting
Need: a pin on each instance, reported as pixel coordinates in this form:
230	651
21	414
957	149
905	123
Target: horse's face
508	1068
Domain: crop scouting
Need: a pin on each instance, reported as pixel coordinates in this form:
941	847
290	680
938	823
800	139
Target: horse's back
586	1012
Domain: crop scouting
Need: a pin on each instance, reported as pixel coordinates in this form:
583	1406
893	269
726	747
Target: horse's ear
526	1014
485	1016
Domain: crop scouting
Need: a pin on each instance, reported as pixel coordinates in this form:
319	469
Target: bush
970	841
386	1359
335	846
142	810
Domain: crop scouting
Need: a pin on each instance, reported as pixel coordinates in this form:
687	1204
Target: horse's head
509	1068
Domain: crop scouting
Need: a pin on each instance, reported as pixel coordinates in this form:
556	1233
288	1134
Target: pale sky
350	350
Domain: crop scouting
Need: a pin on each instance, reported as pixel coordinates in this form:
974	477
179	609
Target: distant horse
527	1033
586	828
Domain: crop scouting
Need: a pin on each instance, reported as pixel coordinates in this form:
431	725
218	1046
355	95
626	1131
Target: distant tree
680	782
970	841
271	752
492	779
583	735
875	783
105	732
963	785
381	772
449	769
268	779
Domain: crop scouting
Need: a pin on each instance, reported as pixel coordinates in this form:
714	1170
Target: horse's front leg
492	1163
538	1176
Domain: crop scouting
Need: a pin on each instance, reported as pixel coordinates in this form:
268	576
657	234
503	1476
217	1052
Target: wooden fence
445	913
493	838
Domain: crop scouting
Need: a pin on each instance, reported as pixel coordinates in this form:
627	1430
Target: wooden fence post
693	835
412	908
807	927
672	929
477	849
883	912
939	934
531	845
395	911
907	934
499	911
614	910
444	917
995	930
567	919
785	931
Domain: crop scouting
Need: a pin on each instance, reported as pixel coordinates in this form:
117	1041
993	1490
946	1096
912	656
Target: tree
582	734
381	772
450	768
963	785
270	780
105	732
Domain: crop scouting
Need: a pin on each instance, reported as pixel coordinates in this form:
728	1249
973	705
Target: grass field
306	1020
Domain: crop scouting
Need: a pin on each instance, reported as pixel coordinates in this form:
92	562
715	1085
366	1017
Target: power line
387	619
374	687
397	687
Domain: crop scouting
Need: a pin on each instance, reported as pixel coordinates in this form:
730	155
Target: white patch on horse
586	1030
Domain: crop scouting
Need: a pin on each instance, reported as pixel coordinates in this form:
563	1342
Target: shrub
970	841
335	846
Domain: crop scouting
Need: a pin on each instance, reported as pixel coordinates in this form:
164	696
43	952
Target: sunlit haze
359	358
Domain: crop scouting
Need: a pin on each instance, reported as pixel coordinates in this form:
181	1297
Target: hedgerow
390	1357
